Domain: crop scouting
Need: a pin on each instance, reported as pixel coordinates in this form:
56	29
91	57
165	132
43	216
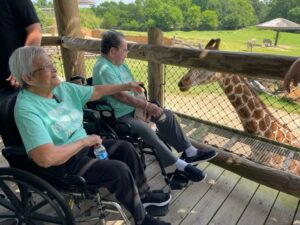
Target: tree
109	21
294	15
280	8
88	19
209	20
192	18
237	14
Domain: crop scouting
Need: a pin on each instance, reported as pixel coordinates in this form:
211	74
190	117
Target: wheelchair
174	180
33	195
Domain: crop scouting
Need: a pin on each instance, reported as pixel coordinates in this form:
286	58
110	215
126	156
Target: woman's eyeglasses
48	67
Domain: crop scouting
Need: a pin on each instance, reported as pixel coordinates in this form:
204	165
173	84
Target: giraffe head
197	76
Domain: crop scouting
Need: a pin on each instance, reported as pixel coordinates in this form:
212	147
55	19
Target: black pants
122	174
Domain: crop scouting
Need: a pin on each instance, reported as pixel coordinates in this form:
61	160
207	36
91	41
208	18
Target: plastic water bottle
100	152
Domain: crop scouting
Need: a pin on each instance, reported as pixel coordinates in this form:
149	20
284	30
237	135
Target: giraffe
255	117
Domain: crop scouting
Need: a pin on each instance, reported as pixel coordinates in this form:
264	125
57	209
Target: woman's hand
93	140
136	86
13	82
153	110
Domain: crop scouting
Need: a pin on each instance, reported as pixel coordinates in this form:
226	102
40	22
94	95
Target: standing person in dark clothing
19	26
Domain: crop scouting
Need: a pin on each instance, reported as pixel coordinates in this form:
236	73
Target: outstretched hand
292	76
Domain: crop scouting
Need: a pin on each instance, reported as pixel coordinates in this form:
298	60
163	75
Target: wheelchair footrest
177	181
157	210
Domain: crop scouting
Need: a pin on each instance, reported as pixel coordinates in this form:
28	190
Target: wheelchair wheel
28	199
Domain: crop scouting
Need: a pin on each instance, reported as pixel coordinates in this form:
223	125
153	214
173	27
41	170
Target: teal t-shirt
59	121
105	72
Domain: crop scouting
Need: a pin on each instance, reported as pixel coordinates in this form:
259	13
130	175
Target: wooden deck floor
223	199
227	199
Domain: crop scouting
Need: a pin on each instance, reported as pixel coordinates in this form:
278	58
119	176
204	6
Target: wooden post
276	38
68	24
155	70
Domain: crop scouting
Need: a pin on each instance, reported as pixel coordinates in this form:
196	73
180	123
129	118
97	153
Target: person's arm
292	76
102	90
34	35
150	108
50	155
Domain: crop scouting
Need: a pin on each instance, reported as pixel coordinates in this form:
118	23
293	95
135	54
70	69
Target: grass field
236	40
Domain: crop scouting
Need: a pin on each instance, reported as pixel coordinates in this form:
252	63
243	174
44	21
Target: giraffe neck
253	113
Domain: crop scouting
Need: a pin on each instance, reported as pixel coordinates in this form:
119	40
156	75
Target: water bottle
100	152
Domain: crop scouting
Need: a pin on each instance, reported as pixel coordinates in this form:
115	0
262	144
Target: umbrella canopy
279	24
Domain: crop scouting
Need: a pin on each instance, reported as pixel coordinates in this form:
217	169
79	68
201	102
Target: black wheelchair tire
30	203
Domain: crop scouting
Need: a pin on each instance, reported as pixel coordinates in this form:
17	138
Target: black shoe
156	199
149	220
193	173
203	154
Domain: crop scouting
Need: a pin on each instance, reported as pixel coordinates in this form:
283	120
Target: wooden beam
249	64
155	70
51	41
274	178
68	24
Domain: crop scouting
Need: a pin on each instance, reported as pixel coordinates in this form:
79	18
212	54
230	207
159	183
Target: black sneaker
156	199
203	154
193	173
149	220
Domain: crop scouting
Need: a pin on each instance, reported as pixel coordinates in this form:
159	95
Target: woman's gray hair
21	61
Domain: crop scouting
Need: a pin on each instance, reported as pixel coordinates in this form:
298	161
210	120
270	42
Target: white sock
191	151
181	164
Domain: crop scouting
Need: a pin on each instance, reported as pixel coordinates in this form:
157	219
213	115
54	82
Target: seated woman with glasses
111	69
49	117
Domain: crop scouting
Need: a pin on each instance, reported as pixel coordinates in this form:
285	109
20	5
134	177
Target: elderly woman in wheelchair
49	114
111	69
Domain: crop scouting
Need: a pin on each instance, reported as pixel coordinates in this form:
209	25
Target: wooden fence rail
249	64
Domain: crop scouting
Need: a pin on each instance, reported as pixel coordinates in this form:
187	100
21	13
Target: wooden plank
68	24
205	209
283	211
183	205
155	70
235	204
266	66
259	207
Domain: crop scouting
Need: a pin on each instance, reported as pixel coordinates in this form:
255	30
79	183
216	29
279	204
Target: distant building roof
279	24
86	2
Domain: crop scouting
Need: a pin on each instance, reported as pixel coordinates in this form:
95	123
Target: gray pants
169	131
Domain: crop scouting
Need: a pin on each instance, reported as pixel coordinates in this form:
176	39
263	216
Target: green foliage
183	14
209	20
109	21
88	19
280	8
294	14
192	18
46	20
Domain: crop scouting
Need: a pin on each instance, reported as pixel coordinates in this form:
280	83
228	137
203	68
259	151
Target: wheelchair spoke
10	195
6	204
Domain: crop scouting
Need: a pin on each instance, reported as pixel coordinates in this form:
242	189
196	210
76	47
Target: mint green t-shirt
59	121
105	72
